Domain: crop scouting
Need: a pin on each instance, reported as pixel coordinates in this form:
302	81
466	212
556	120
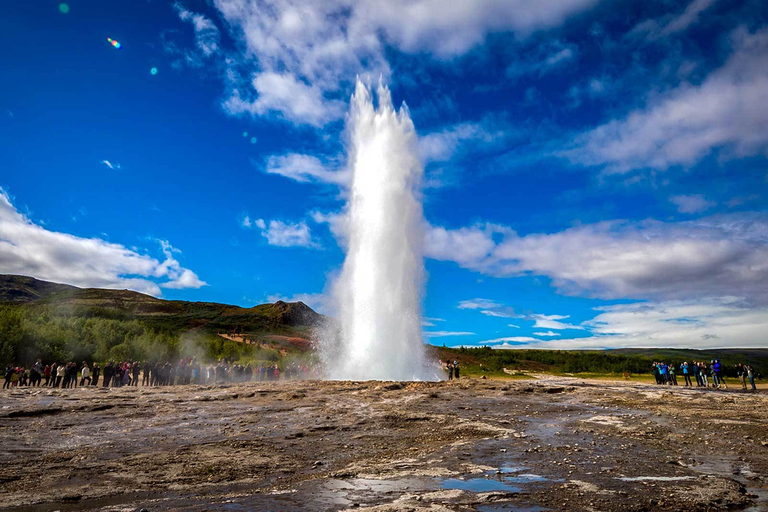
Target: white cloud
727	112
304	169
517	340
206	33
551	322
110	164
286	234
303	55
692	203
30	249
282	93
670	24
720	322
441	146
246	221
715	256
441	334
548	333
543	59
469	247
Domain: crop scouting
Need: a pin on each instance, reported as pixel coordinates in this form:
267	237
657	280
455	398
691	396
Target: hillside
53	321
167	314
22	289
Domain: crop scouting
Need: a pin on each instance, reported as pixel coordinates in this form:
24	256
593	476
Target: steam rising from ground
380	287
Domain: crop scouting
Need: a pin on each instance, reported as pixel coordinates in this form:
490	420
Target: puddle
526	478
655	478
505	470
478	485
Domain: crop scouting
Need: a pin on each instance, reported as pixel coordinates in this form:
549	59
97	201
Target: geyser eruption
380	288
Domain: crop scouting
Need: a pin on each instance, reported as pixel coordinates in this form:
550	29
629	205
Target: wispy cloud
110	164
441	334
692	203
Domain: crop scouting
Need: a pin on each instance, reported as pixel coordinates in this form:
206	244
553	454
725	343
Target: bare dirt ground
550	444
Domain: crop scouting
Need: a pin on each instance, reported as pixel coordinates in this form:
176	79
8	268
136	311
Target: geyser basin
380	288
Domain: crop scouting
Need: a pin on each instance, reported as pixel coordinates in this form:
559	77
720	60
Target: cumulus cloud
726	113
286	234
714	256
301	55
288	96
29	249
692	203
716	322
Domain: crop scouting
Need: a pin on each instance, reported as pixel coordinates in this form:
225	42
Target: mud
550	444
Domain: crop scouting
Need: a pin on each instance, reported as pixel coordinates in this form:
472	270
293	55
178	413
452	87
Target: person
109	369
751	377
85	374
135	369
449	367
456	370
145	380
717	369
96	373
686	374
697	373
703	373
9	371
59	375
672	376
36	373
742	374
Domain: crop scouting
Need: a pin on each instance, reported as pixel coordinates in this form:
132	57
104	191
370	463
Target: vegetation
489	361
63	323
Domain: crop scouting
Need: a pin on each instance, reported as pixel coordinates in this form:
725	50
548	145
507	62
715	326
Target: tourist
9	371
135	373
449	367
456	370
686	374
741	373
751	377
96	373
85	374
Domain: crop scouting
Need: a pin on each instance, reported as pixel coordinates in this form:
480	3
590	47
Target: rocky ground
550	444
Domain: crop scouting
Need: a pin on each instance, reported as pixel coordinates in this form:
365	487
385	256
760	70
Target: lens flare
253	140
114	43
63	8
153	71
245	134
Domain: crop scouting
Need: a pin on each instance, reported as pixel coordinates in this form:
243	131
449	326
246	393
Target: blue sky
596	171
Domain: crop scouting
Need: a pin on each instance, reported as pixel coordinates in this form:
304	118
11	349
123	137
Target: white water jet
380	289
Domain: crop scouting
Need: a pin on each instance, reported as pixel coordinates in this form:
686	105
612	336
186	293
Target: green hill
54	321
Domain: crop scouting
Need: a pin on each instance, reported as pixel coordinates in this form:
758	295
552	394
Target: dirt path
555	444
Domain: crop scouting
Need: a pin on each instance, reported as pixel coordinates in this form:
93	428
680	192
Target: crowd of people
705	374
159	373
453	369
